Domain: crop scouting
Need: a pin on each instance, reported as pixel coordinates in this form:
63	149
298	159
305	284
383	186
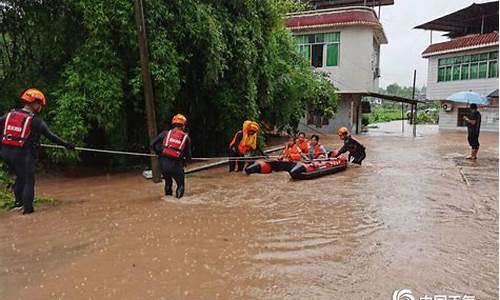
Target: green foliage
220	62
365	120
429	116
382	114
6	195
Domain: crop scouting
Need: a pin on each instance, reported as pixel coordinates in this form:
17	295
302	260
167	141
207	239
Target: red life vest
174	143
17	128
317	151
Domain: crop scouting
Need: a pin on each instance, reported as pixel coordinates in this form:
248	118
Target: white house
343	42
466	62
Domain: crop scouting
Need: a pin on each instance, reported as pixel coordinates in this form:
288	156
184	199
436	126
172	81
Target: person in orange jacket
303	143
174	148
243	142
292	151
21	132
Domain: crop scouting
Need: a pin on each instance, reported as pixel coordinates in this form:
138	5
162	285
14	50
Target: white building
466	62
343	42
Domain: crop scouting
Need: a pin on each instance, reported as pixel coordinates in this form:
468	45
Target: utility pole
413	97
147	84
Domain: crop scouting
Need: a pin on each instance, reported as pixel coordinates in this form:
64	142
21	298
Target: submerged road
415	216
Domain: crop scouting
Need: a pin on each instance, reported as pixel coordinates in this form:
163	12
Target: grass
382	114
7	200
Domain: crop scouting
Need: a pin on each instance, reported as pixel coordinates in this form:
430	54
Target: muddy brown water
416	215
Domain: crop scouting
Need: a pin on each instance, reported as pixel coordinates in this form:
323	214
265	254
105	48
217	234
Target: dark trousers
22	163
358	157
172	168
473	140
234	162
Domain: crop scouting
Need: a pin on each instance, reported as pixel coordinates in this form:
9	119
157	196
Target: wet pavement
416	215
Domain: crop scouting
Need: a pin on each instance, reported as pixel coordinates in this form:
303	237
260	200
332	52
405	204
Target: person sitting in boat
303	143
292	151
356	149
316	150
244	141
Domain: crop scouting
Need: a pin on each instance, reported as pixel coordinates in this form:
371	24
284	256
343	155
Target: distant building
466	62
343	41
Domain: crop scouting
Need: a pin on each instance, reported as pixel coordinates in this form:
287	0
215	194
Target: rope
247	158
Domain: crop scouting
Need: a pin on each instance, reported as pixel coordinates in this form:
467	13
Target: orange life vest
304	146
17	128
317	151
292	152
174	143
242	147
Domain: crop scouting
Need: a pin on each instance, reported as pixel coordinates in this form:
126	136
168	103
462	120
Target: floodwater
415	216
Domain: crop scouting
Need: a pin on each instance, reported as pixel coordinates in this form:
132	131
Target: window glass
465	72
456	72
483	70
332	55
332	37
448	73
441	74
493	55
474	71
493	69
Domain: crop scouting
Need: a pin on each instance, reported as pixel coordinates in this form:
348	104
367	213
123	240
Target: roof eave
436	53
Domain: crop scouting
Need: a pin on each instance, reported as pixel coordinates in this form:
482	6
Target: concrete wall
356	60
441	90
348	106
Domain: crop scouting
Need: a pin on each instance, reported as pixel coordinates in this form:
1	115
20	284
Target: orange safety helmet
179	119
32	95
342	131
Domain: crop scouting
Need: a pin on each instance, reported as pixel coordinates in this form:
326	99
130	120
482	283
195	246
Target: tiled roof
462	43
325	19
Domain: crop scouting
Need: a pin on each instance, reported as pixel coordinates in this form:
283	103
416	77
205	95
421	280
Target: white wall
441	90
355	69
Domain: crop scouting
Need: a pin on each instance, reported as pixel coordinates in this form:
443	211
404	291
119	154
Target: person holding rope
244	141
174	149
22	130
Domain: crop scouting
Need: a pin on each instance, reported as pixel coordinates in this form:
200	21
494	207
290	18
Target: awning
383	96
476	18
493	94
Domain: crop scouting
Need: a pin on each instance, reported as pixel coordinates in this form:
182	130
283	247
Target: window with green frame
330	49
466	67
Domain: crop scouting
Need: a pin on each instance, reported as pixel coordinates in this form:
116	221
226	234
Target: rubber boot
179	192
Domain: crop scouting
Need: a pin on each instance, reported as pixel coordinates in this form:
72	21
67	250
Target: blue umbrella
468	97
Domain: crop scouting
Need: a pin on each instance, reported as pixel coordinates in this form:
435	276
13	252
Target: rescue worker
473	120
292	151
22	130
303	143
243	142
316	150
174	149
356	150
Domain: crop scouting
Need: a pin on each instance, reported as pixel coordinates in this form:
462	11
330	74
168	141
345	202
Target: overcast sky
403	53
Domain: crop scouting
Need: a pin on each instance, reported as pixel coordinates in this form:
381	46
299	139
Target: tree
217	61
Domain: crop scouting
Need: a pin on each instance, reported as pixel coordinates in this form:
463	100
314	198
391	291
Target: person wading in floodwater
356	150
244	141
22	130
473	120
174	149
